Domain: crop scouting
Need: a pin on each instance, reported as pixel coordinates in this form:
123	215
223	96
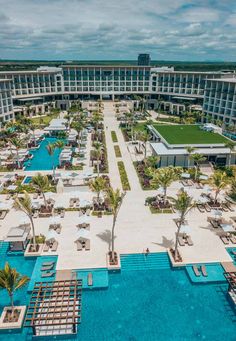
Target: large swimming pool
145	305
42	160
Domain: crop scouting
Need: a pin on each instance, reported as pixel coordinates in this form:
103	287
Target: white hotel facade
70	82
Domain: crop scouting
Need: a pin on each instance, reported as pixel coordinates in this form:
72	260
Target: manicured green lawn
43	119
188	134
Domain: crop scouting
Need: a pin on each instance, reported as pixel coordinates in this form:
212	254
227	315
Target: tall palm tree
96	119
163	177
197	158
219	181
98	185
183	204
98	153
25	205
231	145
18	144
190	150
51	149
115	199
11	280
79	126
152	161
145	137
41	184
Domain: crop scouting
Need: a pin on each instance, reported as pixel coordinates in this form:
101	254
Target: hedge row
123	176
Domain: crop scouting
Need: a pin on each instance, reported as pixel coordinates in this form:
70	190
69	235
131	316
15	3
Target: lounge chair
47	274
207	208
185	183
199	185
90	279
48	263
35	196
214	223
228	205
35	215
196	271
181	241
224	207
62	214
8	197
201	208
54	246
46	248
232	239
189	241
79	245
87	245
47	267
203	270
58	229
224	240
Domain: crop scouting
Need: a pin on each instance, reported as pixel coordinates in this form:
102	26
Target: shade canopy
185	229
82	233
185	175
84	219
54	220
51	236
85	203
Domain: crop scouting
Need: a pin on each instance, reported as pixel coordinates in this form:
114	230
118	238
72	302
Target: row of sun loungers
227	239
185	240
53	248
200	271
47	269
80	245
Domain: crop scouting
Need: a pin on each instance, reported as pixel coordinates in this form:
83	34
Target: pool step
141	261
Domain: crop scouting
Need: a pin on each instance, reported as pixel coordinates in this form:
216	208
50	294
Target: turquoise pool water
215	273
145	305
42	160
100	278
27	180
230	250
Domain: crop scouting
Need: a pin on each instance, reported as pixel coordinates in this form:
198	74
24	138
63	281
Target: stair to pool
142	261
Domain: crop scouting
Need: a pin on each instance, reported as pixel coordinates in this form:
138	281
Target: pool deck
136	228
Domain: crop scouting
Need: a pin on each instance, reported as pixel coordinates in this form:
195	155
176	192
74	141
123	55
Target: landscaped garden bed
114	136
117	151
123	176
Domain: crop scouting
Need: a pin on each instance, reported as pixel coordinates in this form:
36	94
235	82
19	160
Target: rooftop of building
188	134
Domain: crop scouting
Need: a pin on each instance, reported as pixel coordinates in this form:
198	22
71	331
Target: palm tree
219	181
115	199
96	119
98	185
231	145
51	149
98	153
145	137
197	158
190	150
163	177
11	280
41	184
79	126
25	205
183	204
152	161
18	144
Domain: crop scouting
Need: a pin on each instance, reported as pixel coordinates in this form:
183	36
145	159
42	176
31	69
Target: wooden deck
229	266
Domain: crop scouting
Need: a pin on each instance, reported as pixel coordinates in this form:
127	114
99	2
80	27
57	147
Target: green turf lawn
188	134
43	119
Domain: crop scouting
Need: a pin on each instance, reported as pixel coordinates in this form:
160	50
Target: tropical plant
219	181
144	136
115	199
41	184
24	204
152	161
163	177
231	145
97	153
51	149
18	144
197	158
98	185
11	280
189	150
183	204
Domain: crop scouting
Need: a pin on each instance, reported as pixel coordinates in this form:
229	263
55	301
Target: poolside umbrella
217	214
51	236
24	221
84	219
203	200
185	175
60	186
82	233
203	177
54	220
49	195
4	206
206	189
85	203
185	229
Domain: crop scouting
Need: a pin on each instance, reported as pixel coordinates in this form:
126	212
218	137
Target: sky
202	30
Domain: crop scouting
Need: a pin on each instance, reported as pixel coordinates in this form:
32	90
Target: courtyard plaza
137	228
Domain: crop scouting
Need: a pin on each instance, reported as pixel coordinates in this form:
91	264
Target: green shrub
117	151
123	176
114	136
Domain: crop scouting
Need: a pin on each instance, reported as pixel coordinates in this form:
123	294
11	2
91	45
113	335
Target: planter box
33	254
13	325
115	266
173	262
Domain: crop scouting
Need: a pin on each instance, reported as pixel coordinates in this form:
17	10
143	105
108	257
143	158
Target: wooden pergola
55	307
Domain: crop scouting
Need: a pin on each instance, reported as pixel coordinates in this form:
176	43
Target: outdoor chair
224	240
47	274
196	271
87	245
48	263
79	245
204	271
232	239
47	267
54	246
189	241
46	248
201	208
181	241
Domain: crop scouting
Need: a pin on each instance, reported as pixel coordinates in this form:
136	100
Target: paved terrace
136	227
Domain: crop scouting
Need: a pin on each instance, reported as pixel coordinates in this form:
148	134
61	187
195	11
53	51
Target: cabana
18	237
